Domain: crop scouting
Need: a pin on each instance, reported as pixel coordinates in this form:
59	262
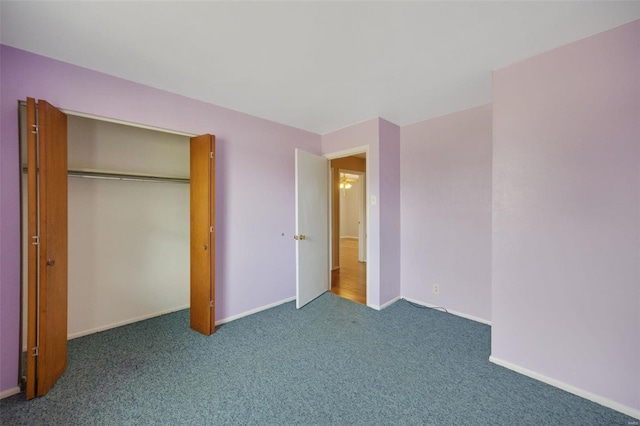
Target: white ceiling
317	66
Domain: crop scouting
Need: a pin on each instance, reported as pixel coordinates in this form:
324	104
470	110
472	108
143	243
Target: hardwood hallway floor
350	281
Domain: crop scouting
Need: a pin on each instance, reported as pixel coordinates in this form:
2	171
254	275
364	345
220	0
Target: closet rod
125	177
94	174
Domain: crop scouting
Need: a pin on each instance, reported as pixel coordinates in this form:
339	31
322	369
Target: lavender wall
383	179
446	211
361	134
389	201
255	167
566	216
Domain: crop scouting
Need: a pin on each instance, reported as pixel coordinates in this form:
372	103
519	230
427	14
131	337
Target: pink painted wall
361	134
255	172
383	171
566	215
446	211
389	200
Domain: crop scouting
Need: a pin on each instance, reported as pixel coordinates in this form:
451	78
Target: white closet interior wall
128	240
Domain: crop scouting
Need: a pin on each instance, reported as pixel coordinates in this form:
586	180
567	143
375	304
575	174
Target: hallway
350	281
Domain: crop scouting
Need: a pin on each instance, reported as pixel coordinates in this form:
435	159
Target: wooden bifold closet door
202	184
47	256
47	253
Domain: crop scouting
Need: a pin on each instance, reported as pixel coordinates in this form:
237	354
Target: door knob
300	237
204	247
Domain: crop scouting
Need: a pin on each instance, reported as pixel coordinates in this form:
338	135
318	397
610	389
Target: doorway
349	227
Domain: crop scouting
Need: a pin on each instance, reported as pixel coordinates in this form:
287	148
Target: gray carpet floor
332	362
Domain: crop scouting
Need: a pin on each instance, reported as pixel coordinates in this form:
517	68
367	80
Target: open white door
312	227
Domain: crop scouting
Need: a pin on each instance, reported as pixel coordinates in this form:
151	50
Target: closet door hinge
211	154
211	303
35	351
36	240
35	129
211	229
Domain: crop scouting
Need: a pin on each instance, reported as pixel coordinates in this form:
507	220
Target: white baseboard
384	305
255	311
390	302
569	388
9	392
168	311
452	312
125	322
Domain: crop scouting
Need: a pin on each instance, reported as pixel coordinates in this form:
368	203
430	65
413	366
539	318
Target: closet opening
128	223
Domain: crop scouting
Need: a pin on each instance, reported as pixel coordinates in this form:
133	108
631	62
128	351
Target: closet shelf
112	175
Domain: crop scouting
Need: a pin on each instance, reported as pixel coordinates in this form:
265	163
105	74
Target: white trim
255	311
125	123
452	312
384	305
364	149
346	153
367	240
569	388
117	121
10	392
330	226
125	322
157	314
179	308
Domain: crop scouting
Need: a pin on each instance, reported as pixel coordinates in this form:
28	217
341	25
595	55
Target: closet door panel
52	310
202	247
47	250
32	249
212	233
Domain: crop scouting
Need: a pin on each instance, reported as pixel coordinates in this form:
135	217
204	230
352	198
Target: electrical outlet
436	289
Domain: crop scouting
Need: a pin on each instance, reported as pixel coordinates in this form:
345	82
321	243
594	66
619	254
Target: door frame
363	149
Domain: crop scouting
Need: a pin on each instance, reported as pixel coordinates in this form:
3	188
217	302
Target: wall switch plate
436	289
